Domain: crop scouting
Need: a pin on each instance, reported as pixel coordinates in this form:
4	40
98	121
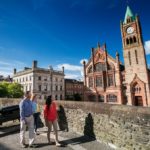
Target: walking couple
28	118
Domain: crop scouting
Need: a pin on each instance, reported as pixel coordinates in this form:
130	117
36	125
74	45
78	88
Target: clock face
130	30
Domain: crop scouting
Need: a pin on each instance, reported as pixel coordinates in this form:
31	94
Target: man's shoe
33	146
23	146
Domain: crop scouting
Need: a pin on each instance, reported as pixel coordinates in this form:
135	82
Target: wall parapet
123	127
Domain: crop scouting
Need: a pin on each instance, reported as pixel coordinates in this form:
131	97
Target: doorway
138	101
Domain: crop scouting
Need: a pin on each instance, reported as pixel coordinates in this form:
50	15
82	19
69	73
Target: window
40	88
110	80
90	82
100	98
30	78
131	40
56	88
134	39
129	57
56	97
26	78
127	41
60	88
136	56
100	67
39	78
111	98
90	69
45	87
60	97
99	82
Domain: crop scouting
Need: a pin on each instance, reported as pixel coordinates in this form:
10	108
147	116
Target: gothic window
136	89
100	98
111	98
90	69
134	39
136	56
100	67
110	80
129	57
131	40
99	82
127	41
90	82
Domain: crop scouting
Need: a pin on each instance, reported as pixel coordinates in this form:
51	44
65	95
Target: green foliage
13	90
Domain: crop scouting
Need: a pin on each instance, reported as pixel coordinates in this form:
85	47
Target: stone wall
123	127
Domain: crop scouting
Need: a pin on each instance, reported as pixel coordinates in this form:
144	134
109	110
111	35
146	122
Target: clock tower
136	71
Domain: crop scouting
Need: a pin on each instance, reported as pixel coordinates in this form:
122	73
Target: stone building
41	81
107	80
5	79
73	89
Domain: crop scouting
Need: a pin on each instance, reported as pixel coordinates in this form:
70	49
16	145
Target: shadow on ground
5	131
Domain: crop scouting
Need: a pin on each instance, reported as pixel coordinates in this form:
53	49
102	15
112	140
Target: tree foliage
12	90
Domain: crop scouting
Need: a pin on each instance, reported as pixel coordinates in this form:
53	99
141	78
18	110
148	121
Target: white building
40	81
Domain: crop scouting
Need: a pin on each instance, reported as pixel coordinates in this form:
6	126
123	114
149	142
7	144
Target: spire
129	13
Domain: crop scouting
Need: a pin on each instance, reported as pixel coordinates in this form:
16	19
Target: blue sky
62	32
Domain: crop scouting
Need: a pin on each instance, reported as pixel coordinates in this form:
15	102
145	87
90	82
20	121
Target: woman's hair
33	97
48	101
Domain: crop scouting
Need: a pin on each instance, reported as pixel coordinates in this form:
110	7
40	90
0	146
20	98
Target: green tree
14	90
3	89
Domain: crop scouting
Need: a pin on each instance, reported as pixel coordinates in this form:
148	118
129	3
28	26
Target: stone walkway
9	140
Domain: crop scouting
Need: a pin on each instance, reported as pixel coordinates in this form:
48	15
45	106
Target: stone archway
138	92
137	95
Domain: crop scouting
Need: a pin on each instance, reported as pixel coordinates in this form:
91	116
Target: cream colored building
41	81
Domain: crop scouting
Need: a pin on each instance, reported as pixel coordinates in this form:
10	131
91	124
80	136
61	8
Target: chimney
63	69
34	64
15	70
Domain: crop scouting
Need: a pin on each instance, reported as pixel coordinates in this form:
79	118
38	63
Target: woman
50	116
35	112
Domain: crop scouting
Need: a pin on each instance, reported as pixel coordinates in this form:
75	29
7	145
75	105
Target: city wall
123	127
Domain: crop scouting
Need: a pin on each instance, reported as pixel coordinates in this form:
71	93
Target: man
26	119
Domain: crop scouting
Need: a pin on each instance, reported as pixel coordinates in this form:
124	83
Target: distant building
6	79
73	89
41	81
107	80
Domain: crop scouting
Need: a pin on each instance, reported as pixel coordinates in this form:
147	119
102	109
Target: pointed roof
128	14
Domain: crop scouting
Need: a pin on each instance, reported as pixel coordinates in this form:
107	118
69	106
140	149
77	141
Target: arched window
100	98
90	69
127	41
111	98
136	56
100	67
99	81
131	40
134	39
110	80
90	82
129	57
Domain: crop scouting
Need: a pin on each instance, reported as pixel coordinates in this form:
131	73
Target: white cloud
70	67
72	71
7	66
147	47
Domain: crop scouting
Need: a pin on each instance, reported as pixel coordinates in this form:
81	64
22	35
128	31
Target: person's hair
26	93
48	101
33	97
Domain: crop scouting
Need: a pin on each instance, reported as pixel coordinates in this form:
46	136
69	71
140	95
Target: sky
62	32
